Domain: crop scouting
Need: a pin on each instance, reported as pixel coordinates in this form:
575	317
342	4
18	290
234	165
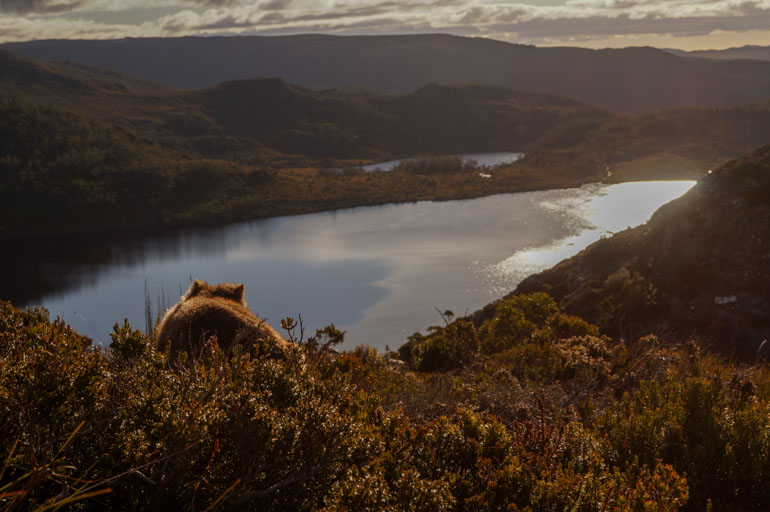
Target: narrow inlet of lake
378	273
480	159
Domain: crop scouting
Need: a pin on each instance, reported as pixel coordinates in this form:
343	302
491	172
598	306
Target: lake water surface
376	272
481	159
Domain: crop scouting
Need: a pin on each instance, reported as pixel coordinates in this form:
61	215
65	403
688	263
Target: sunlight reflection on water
598	211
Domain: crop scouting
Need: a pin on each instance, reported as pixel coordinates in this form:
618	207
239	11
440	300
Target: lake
379	273
481	159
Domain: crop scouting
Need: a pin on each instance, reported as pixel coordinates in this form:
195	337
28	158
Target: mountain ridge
628	80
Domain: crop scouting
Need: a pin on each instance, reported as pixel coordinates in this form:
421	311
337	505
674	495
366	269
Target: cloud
21	28
41	6
58	6
276	5
572	20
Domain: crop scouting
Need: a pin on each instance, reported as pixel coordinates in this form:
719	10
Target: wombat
220	311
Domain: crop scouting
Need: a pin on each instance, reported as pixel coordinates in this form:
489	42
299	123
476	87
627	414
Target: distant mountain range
626	80
332	123
744	52
241	119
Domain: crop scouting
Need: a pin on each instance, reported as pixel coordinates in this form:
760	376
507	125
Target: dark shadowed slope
699	268
345	123
28	76
339	123
631	79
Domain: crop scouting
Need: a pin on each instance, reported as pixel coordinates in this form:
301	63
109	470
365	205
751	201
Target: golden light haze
718	40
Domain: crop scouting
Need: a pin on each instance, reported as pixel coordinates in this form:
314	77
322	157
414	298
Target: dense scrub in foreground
531	410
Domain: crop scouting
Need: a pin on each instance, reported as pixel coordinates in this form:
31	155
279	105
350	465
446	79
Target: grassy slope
666	276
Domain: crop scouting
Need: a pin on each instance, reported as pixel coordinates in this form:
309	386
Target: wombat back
221	311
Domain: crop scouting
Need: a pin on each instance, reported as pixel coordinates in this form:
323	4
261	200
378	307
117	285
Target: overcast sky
592	23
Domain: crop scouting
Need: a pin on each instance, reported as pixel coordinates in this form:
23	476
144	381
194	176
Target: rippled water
376	272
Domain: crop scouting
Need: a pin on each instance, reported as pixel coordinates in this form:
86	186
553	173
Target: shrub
516	320
122	429
452	347
721	443
253	433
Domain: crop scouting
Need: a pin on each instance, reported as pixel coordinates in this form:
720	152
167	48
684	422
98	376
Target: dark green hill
346	123
339	123
162	159
60	79
629	80
64	172
699	268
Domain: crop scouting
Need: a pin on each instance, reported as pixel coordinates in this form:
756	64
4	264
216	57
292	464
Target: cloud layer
570	22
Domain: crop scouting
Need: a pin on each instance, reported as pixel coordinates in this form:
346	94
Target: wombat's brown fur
220	311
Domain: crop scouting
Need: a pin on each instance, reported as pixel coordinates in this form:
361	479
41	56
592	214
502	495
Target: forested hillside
339	123
109	152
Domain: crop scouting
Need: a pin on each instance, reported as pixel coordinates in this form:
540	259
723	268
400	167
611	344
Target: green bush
516	321
452	347
717	436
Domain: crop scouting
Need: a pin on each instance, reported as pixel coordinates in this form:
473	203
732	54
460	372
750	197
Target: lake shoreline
288	196
290	211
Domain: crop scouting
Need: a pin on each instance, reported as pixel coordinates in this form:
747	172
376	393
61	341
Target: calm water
482	159
376	272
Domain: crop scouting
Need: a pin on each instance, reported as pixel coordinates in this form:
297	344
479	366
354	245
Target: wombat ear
238	292
195	289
